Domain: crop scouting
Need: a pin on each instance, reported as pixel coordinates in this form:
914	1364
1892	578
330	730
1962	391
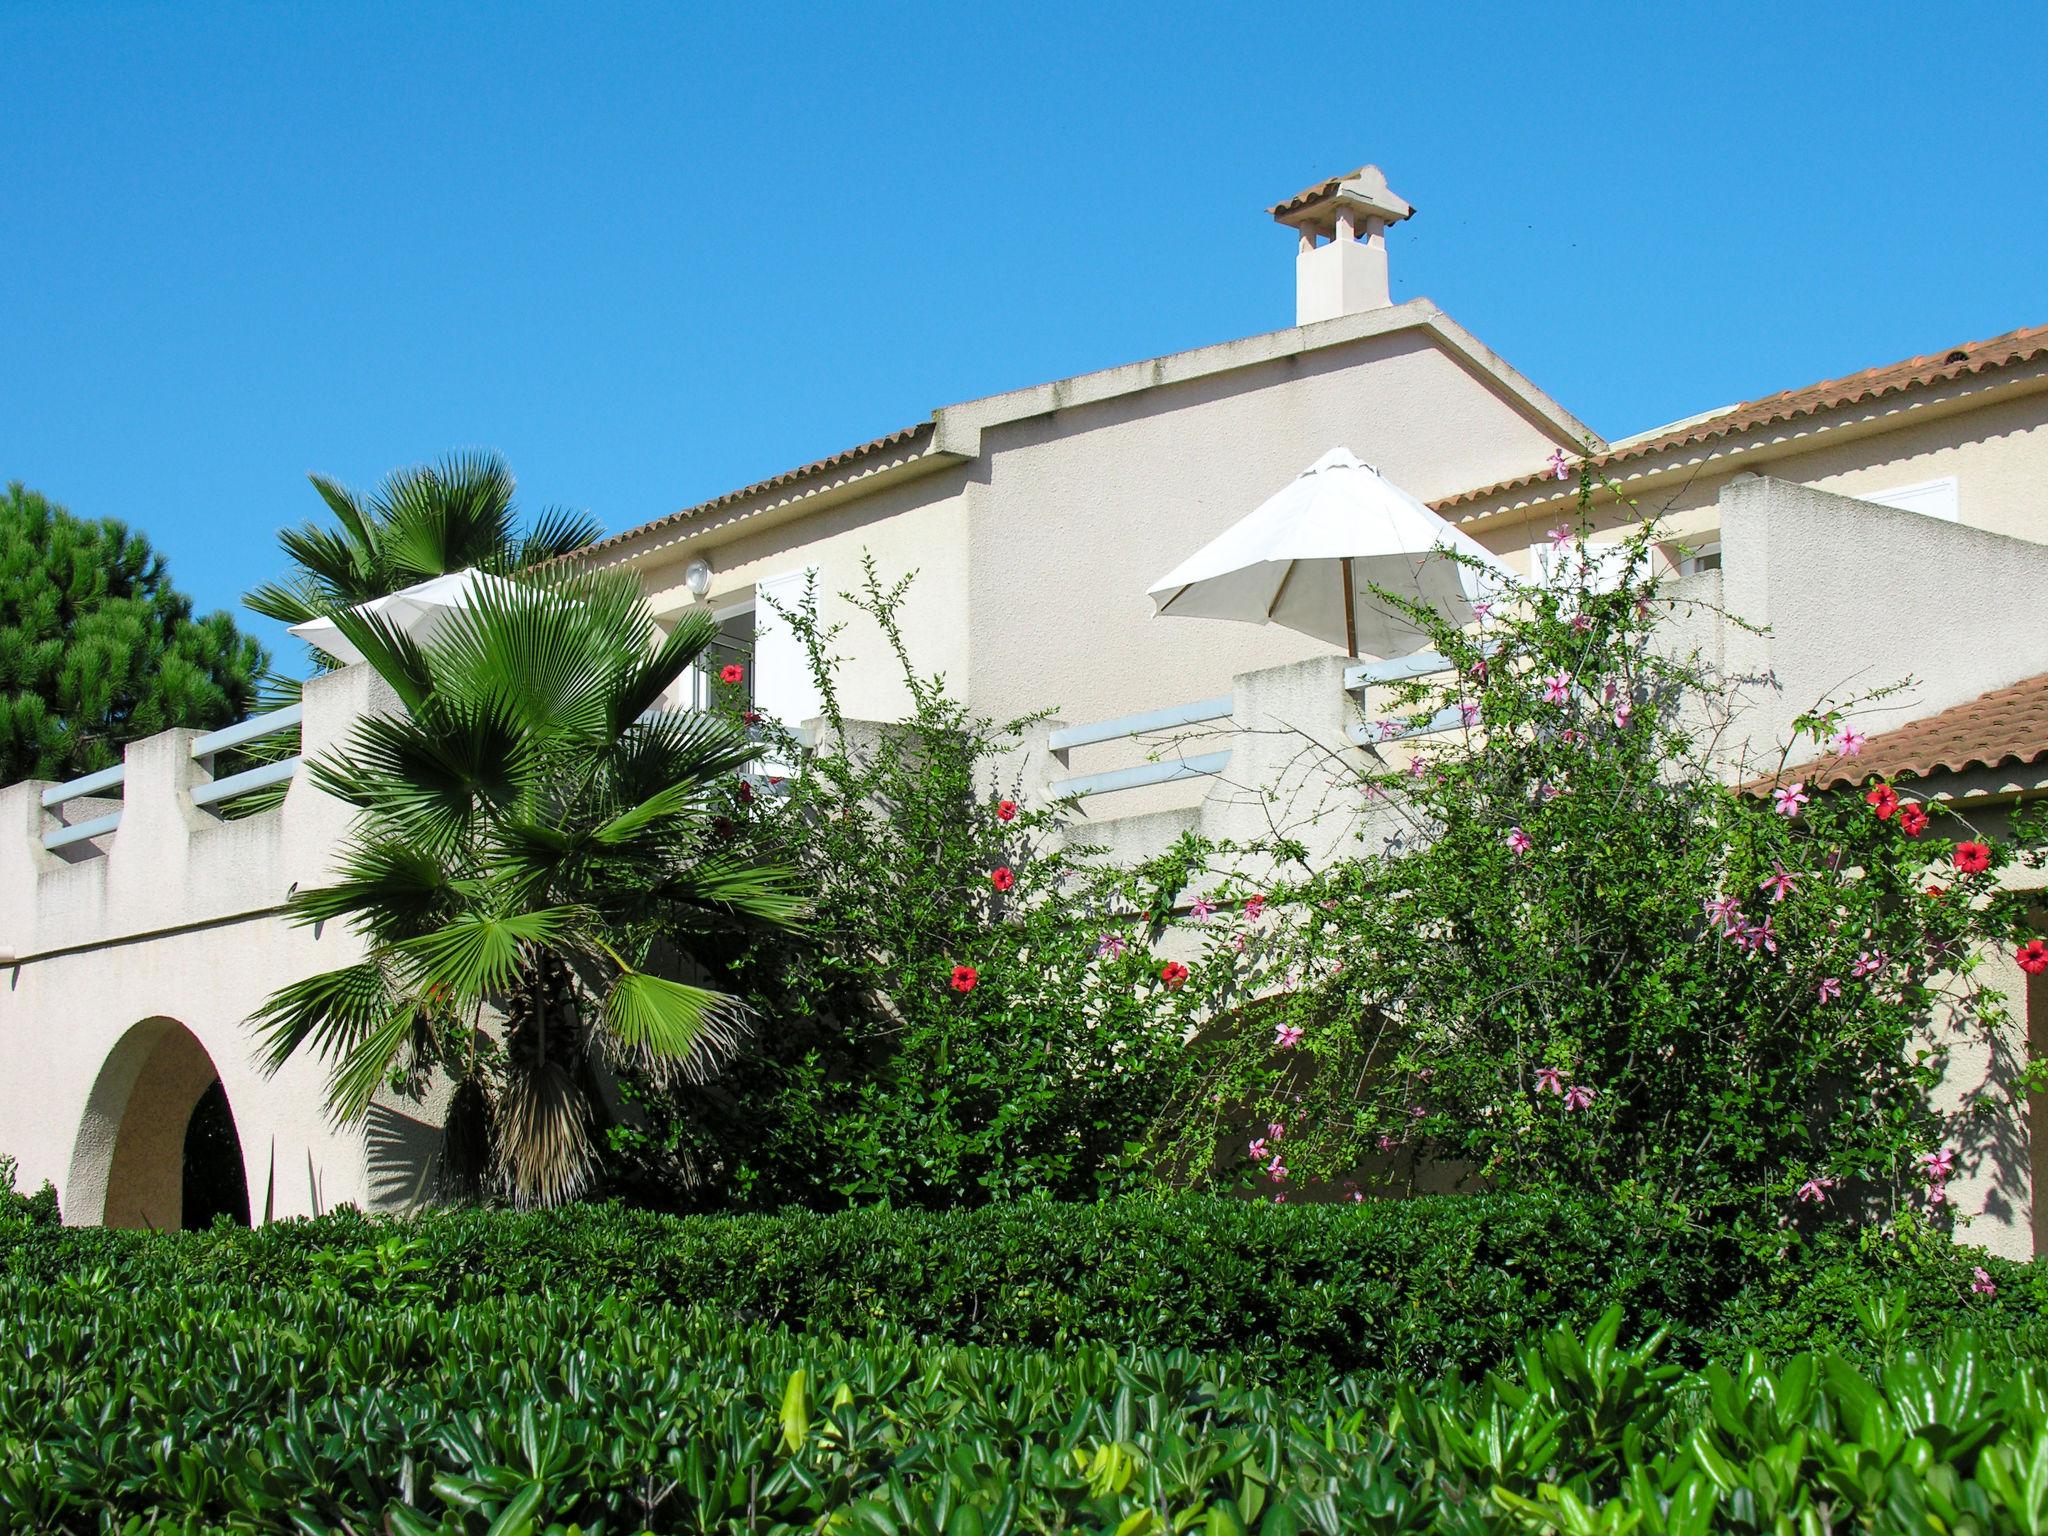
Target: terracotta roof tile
2006	725
900	439
1914	373
1314	194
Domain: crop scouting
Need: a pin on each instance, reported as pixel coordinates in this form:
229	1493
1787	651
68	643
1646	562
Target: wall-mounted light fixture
697	576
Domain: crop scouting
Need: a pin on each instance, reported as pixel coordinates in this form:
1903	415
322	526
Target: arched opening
158	1146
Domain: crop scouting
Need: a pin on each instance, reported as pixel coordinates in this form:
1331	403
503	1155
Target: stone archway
129	1163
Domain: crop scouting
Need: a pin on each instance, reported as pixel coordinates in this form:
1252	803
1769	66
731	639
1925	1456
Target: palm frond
677	749
393	654
446	517
478	955
742	887
331	1011
368	1064
673	1021
646	679
557	531
394	887
429	776
533	649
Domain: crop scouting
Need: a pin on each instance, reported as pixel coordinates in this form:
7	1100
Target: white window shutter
783	686
1930	498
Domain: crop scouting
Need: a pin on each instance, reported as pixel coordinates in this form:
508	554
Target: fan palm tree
536	855
425	521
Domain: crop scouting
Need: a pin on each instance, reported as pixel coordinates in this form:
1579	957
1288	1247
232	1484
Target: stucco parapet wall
955	432
172	866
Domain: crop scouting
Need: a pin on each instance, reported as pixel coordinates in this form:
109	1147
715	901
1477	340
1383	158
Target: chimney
1340	267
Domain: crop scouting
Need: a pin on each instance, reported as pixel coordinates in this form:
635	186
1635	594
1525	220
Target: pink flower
1850	743
1558	466
1199	909
1276	1129
1555	687
1869	964
1387	1143
1277	1171
1416	1112
1258	1150
1469	713
1622	711
1549	1080
1254	907
1780	882
1418	767
1482	609
1519	841
1560	536
1981	1282
1938	1165
1830	989
1111	947
1570	737
1791	799
1815	1191
1581	623
1578	1096
1725	913
1287	1036
1759	936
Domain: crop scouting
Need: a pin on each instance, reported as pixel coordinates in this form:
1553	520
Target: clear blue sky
653	252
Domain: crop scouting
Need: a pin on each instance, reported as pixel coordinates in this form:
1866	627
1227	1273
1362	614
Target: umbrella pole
1350	617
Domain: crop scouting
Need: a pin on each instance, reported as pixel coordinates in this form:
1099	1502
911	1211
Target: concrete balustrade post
1292	762
23	861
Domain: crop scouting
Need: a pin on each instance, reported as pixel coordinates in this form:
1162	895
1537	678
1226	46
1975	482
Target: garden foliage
1299	1292
323	1411
1569	956
948	1027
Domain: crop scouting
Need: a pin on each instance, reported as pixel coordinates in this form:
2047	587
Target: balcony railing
204	749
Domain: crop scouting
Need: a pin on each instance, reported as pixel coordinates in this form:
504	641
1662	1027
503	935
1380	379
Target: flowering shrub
972	1013
1575	958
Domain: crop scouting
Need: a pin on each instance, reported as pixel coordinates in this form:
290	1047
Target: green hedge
1420	1286
214	1408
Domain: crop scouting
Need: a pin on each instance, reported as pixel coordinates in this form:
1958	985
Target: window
1930	498
735	643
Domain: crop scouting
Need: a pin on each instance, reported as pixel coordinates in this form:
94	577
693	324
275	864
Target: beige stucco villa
1887	524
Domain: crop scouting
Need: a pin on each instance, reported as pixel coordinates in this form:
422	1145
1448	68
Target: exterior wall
917	526
1083	509
179	921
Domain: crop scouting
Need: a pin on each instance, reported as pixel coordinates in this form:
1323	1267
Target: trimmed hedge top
1419	1286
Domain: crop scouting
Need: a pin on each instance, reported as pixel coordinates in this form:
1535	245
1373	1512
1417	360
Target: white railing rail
1378	674
1138	776
255	728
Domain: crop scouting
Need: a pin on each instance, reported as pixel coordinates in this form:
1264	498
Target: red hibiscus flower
1912	820
1006	810
731	672
1173	973
2033	957
1002	878
1884	799
965	978
746	792
1972	858
1936	892
751	716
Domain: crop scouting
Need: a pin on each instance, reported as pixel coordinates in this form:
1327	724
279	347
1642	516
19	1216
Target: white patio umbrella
1309	557
418	611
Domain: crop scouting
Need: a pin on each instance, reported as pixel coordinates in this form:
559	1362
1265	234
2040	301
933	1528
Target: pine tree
97	648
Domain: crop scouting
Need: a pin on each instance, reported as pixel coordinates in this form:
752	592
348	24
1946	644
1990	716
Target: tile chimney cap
1364	189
